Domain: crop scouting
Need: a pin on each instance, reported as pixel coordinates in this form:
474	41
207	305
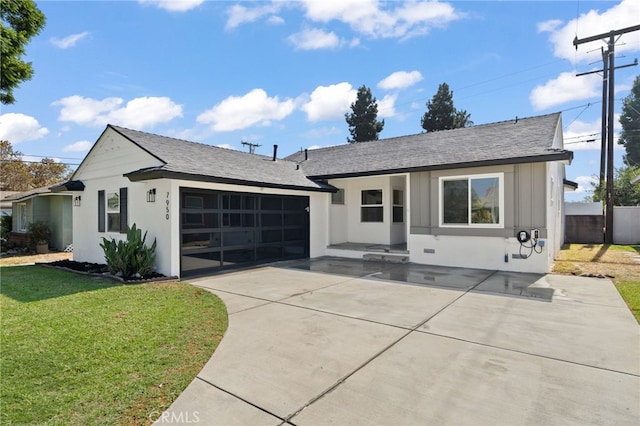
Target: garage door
227	229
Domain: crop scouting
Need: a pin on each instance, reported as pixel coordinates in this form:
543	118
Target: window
472	201
21	220
112	211
371	210
338	197
398	206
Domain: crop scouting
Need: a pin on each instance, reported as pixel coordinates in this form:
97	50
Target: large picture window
371	210
472	201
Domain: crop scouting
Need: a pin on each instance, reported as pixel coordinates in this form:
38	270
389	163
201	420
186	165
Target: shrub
6	226
131	257
38	233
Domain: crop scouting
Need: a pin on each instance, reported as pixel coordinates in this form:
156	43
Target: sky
286	72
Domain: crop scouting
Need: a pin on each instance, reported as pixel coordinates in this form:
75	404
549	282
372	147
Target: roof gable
507	142
201	162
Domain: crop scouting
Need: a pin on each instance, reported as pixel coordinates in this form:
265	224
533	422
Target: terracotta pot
42	248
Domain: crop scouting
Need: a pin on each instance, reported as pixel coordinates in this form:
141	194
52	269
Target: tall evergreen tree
441	114
630	121
363	120
21	20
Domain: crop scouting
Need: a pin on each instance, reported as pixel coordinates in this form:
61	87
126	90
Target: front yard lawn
83	350
612	260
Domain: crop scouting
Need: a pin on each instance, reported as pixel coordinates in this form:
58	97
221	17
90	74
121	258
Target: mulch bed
101	270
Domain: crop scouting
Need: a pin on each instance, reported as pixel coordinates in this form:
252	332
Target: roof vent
275	152
306	154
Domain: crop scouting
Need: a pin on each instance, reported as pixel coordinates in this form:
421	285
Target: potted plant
39	235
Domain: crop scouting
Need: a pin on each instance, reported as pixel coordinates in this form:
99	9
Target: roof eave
141	175
562	156
72	185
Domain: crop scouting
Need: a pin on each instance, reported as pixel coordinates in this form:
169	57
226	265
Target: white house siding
346	225
111	157
526	207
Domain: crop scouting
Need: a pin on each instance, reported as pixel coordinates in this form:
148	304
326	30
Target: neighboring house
43	205
5	204
457	198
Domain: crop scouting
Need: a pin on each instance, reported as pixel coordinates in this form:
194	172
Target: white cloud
619	16
367	17
80	146
314	39
68	41
400	80
586	136
566	88
16	128
585	184
138	113
386	106
239	15
173	5
255	107
329	102
227	146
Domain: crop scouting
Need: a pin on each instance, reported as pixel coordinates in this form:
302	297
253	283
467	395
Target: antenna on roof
252	146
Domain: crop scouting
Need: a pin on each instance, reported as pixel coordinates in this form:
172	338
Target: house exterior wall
55	211
526	207
60	221
111	158
346	225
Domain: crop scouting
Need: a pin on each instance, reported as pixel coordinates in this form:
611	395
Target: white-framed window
21	217
338	196
398	206
371	209
474	201
113	211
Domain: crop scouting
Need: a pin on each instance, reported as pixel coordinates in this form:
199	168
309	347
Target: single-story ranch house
488	196
42	205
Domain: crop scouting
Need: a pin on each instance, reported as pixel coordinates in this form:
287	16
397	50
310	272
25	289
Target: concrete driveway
346	342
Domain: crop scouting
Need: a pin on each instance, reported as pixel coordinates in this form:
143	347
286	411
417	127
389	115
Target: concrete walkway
342	342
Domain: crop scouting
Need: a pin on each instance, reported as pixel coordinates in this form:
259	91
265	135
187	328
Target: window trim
22	225
395	206
104	210
370	206
469	178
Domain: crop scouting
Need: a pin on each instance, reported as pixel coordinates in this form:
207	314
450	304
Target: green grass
81	350
611	260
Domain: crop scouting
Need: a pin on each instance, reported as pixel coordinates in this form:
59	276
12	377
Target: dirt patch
30	259
619	262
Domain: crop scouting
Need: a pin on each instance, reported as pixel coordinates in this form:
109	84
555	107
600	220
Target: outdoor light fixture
151	196
76	201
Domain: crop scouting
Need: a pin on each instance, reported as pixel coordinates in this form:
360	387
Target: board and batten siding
524	201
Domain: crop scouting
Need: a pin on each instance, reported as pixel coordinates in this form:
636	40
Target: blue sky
285	72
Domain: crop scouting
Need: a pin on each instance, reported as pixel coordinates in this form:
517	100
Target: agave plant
130	257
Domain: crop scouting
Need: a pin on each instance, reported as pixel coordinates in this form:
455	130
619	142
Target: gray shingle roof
196	161
507	142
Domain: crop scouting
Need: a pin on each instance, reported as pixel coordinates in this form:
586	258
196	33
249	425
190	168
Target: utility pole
609	68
